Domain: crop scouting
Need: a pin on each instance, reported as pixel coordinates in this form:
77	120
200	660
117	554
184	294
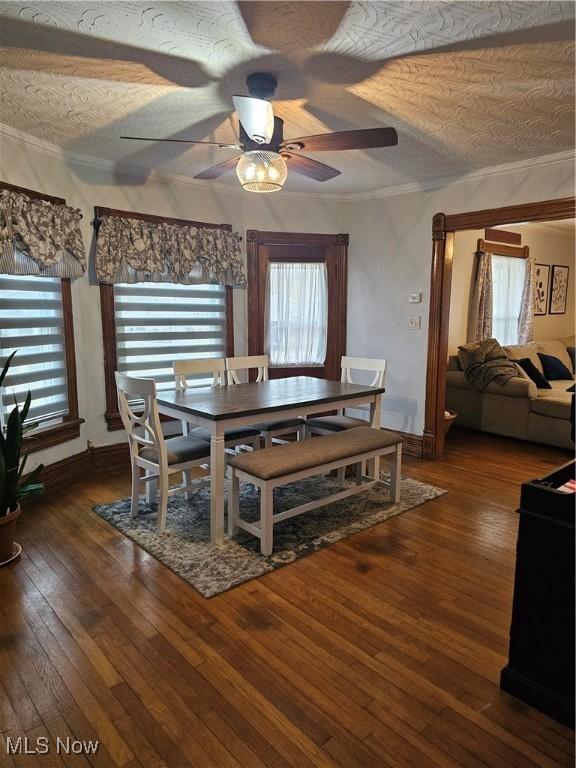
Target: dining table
220	408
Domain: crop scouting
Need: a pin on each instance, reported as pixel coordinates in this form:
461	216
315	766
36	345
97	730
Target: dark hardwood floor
383	650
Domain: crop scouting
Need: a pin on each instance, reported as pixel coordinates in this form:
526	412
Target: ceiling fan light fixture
261	171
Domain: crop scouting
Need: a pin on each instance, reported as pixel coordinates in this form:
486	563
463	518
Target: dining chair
273	429
214	367
324	425
150	451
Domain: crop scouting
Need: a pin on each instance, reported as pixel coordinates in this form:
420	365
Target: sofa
517	408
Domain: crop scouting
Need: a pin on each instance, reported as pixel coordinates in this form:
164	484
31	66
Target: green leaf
6	366
30	489
25	408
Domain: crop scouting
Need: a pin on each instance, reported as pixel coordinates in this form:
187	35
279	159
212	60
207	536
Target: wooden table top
217	403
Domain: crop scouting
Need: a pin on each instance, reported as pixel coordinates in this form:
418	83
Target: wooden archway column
443	229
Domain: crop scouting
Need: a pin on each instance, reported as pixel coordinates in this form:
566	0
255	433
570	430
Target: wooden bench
269	468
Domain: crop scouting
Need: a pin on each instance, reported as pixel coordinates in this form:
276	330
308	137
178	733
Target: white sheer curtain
296	314
508	275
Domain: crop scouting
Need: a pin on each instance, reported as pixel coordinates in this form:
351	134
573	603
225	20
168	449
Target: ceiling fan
266	155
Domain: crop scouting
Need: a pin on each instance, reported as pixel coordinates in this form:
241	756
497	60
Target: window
157	323
154	324
507	288
36	321
296	314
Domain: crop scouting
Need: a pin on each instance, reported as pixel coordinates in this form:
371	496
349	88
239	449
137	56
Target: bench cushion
179	449
336	423
270	463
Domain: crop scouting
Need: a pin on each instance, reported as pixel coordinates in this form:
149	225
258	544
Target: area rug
186	549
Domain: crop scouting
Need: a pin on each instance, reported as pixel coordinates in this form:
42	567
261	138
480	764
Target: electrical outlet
414	322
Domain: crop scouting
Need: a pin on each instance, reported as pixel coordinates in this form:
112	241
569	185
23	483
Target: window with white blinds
157	323
32	322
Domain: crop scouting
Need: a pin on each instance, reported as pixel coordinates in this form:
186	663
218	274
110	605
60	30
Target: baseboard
67	471
535	695
72	468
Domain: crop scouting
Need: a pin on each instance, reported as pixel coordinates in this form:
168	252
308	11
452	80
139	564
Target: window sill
46	438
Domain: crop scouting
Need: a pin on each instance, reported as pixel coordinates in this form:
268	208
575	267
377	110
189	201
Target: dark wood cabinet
540	669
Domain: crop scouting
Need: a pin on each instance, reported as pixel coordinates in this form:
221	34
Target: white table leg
375	423
217	475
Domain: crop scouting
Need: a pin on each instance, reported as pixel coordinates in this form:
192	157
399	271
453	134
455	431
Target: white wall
547	247
389	258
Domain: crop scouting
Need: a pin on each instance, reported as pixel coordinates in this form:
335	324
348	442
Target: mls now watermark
23	745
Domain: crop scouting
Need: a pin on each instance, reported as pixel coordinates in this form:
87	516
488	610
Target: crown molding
73	158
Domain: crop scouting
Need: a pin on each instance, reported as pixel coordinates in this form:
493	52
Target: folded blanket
485	361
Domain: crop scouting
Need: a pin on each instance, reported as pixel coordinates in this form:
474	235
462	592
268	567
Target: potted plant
14	485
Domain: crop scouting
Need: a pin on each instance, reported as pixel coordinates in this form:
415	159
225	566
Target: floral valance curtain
39	237
140	250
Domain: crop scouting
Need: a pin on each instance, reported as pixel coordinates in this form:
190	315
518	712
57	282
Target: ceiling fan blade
370	138
184	141
256	116
306	166
215	171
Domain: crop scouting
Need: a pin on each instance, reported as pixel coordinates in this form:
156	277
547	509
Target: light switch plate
415	298
414	322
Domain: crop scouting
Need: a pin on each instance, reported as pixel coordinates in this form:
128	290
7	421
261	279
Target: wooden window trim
69	427
112	415
256	291
443	229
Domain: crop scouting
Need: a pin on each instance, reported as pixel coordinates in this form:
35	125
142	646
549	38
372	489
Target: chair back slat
247	363
376	365
213	366
143	427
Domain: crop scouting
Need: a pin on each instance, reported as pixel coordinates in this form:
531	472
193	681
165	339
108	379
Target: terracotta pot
7	531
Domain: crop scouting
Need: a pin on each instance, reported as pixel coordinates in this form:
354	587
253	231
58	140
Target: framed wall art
541	288
559	289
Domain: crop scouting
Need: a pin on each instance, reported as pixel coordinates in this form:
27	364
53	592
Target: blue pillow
572	353
554	369
530	369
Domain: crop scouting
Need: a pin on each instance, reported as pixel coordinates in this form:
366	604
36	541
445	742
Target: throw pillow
554	369
528	366
572	352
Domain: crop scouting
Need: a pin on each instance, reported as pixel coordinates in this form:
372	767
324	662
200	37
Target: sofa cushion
555	405
530	369
523	351
568	341
556	349
554	368
561	385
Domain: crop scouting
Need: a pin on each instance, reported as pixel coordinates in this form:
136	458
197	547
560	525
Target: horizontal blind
31	322
158	323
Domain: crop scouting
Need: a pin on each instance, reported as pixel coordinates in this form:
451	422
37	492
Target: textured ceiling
466	84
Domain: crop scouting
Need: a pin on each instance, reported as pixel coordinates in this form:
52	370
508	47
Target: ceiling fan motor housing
261	85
